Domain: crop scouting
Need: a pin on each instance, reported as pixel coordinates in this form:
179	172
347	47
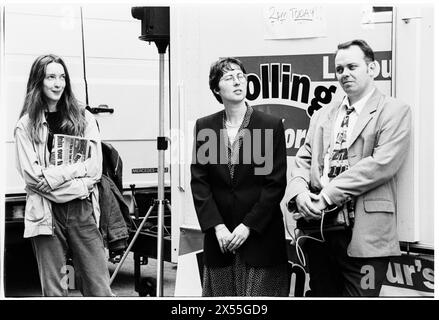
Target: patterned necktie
339	158
338	163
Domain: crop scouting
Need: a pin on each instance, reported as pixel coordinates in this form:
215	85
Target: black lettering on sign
146	170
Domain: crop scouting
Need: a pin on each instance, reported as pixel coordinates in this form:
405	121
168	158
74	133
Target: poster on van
293	87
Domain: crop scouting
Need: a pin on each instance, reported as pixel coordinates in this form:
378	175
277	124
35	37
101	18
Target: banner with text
294	86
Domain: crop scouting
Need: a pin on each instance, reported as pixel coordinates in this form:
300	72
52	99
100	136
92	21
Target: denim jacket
68	182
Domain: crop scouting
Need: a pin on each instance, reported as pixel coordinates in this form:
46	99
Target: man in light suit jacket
363	139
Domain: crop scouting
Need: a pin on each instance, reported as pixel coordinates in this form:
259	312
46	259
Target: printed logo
293	87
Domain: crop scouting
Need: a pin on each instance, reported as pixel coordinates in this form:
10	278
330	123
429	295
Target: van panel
122	72
55	30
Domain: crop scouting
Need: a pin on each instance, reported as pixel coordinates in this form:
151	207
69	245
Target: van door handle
102	108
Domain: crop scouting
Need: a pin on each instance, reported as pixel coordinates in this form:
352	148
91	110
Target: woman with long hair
62	208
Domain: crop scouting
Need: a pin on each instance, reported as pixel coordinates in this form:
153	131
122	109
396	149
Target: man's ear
372	69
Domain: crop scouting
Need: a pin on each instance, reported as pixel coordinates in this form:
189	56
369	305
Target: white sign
294	21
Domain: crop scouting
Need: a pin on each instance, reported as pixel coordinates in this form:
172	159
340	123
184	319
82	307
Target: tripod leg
161	210
127	251
167	232
137	275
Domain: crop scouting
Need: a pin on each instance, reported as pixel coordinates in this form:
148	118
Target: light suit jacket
377	148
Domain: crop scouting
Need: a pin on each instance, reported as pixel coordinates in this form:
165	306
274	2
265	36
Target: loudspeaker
155	22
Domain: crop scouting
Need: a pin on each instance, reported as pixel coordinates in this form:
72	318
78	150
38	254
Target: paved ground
123	284
22	279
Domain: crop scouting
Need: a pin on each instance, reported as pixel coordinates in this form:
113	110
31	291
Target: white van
112	71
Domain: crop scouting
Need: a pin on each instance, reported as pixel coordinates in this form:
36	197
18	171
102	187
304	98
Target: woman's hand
223	236
239	235
43	186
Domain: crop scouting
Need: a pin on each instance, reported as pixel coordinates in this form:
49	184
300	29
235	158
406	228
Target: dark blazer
252	199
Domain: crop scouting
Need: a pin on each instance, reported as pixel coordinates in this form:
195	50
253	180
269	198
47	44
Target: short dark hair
217	70
369	56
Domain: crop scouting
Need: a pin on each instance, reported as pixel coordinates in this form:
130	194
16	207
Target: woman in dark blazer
238	180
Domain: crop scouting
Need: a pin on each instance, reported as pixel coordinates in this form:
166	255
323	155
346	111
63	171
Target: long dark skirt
240	279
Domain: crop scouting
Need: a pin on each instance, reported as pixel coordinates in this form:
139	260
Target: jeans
75	232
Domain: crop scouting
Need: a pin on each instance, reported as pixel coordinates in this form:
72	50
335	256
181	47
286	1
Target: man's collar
359	105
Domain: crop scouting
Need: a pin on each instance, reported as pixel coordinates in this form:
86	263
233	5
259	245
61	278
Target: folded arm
68	191
300	174
391	147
